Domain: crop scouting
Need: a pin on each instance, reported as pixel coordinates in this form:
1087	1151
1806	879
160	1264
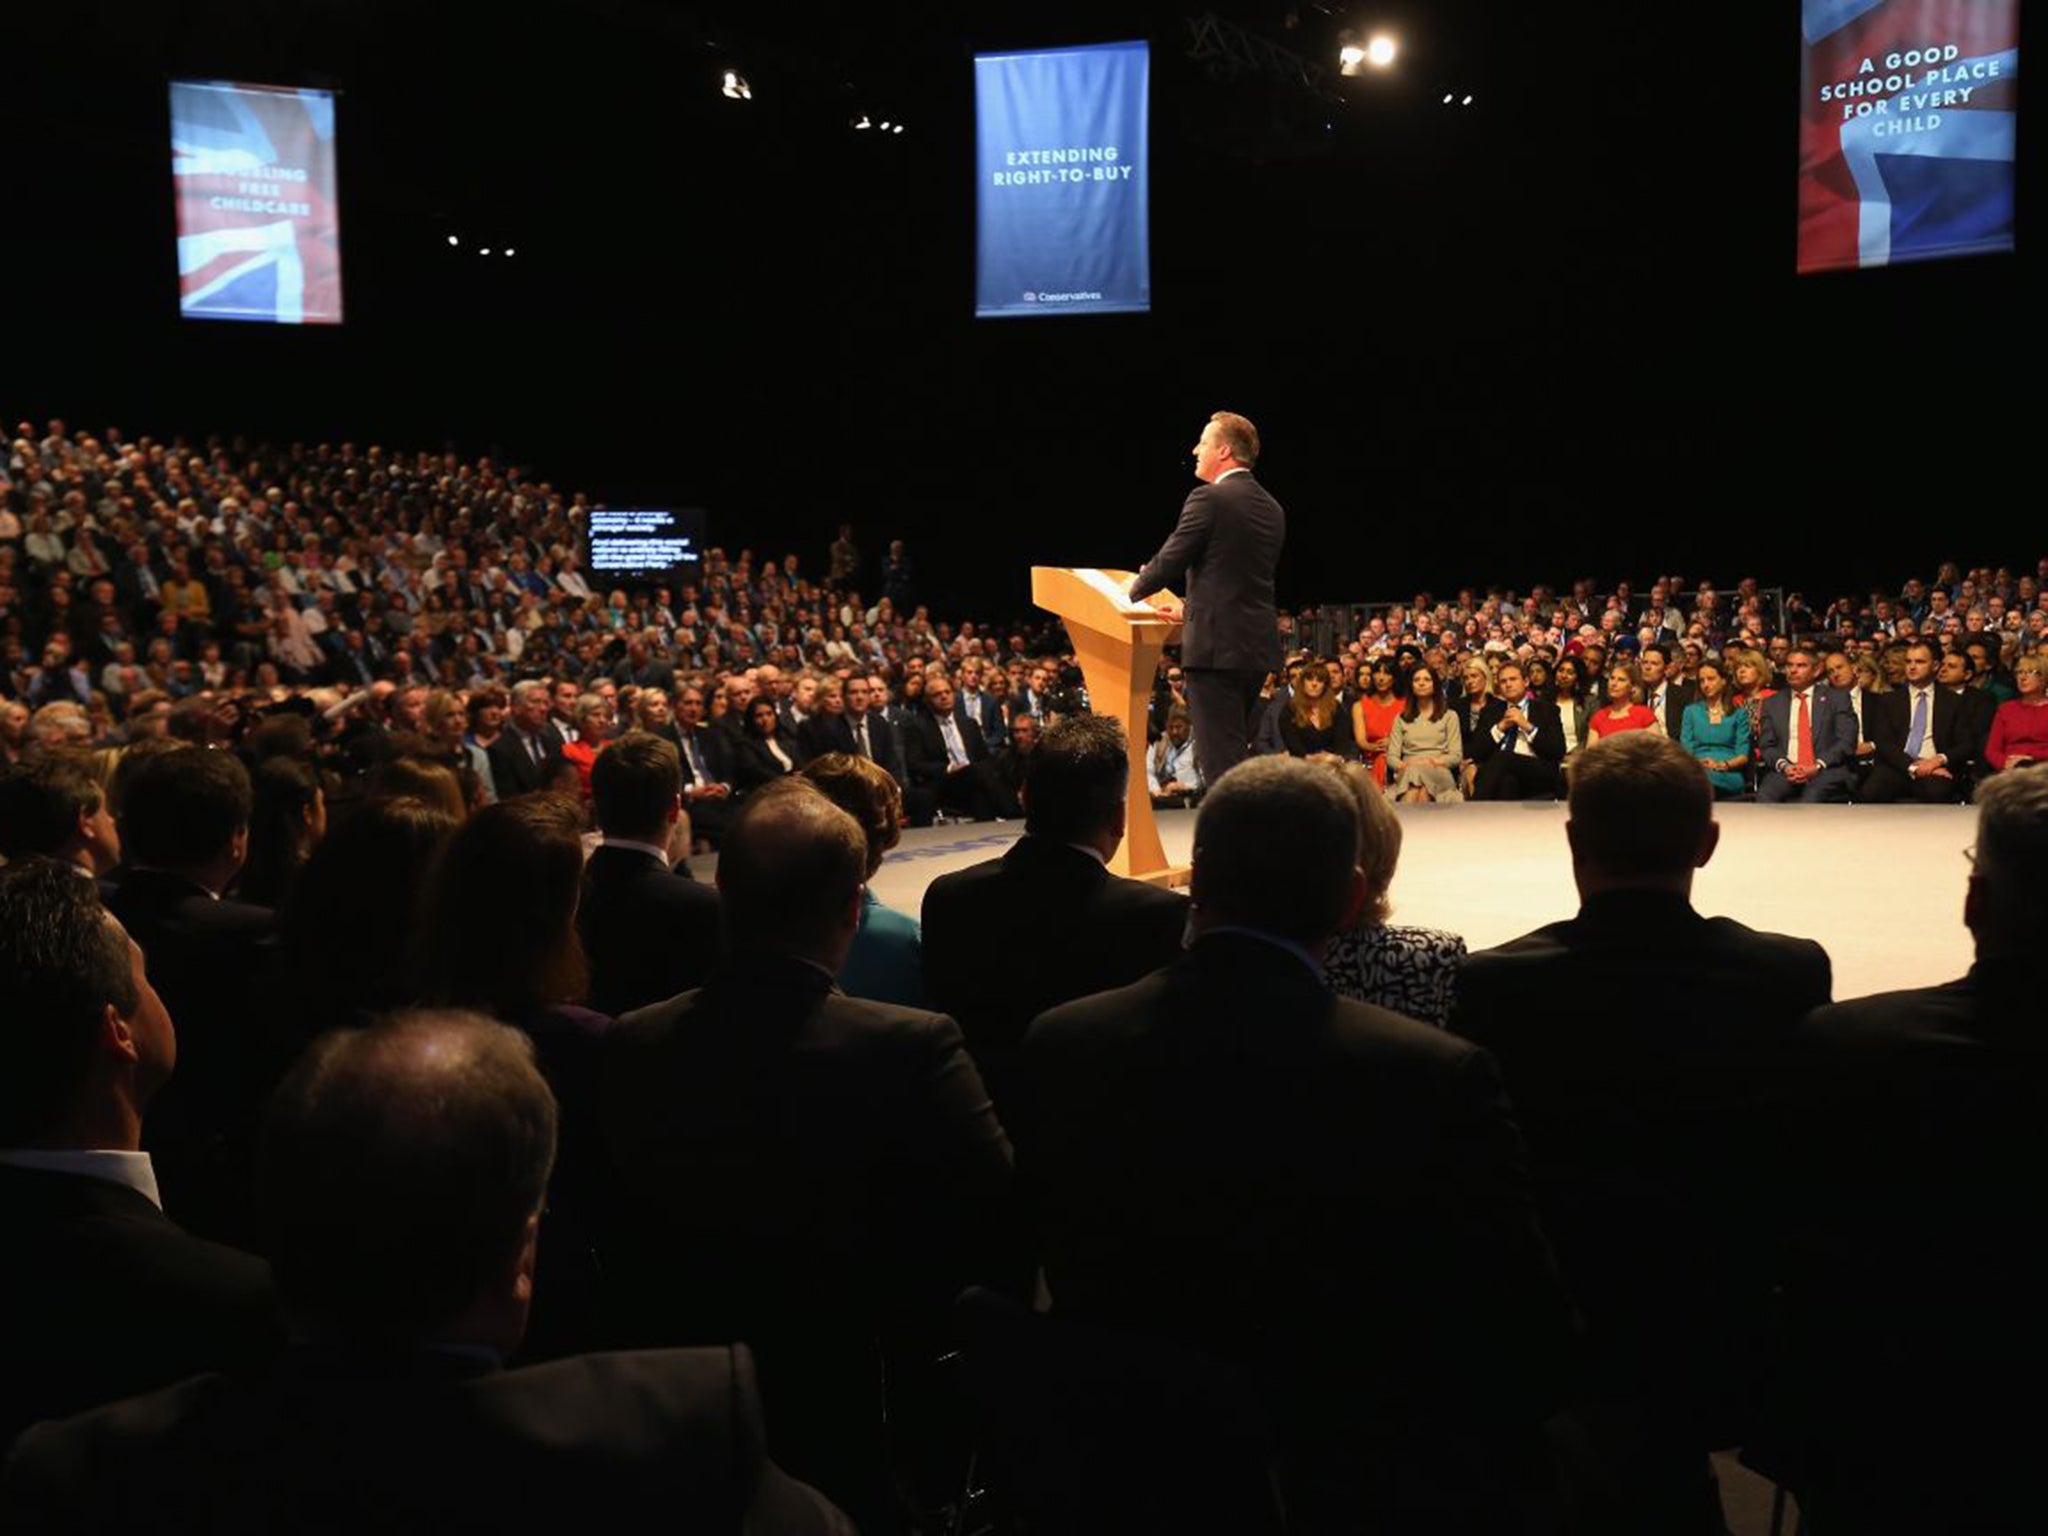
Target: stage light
455	241
1380	51
1467	101
897	129
735	87
1448	98
1351	56
485	251
510	252
883	125
863	123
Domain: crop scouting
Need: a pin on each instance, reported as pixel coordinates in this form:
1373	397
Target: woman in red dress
1373	717
1622	713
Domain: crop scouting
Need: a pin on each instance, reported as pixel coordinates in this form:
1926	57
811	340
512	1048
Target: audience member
1426	753
2019	730
1805	740
1013	762
1574	715
1638	1040
1665	692
1915	1319
405	1170
780	1163
886	961
1226	1153
1621	712
1409	970
593	719
52	806
1312	722
1519	743
649	930
287	819
1047	922
948	757
527	753
102	1295
1924	738
1373	717
1716	732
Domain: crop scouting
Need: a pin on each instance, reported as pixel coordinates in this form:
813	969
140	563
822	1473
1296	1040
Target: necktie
1917	737
533	749
697	759
860	737
954	749
1802	732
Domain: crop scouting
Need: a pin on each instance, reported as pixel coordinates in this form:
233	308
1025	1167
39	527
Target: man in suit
103	1296
1518	744
649	930
981	705
1326	1199
1924	736
1916	1336
405	1166
184	826
873	736
1957	674
778	1162
1807	739
1665	695
1222	555
642	667
1841	676
1052	898
948	757
527	754
1638	1041
707	769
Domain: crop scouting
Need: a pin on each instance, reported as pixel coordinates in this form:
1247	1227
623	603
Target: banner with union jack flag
1907	130
259	219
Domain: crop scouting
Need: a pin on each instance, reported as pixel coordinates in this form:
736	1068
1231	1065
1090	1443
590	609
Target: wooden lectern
1118	644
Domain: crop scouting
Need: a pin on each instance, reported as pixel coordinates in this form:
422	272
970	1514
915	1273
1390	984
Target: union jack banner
1907	130
259	220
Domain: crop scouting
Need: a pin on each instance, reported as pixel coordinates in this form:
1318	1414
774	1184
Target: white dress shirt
132	1169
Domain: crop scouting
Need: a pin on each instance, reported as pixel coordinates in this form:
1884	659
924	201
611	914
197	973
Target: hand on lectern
1166	604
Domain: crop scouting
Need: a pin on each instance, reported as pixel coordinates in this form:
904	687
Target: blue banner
1064	186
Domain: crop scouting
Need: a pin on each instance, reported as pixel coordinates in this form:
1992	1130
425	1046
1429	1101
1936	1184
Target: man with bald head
404	1171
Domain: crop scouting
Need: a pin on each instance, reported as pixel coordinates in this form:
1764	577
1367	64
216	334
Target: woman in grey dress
1410	970
1427	746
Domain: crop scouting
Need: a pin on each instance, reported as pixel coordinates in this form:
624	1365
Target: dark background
1557	332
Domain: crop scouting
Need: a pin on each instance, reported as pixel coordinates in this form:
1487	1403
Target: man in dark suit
874	737
52	806
1638	1041
706	761
184	826
1050	898
1222	554
1916	1332
527	754
102	1295
1665	695
784	1164
649	930
1806	742
948	757
1518	744
404	1168
1327	1199
1925	738
642	667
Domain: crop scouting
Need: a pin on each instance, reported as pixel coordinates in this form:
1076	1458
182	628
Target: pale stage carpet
1880	886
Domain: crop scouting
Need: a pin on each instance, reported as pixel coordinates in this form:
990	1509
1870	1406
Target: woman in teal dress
1716	732
886	961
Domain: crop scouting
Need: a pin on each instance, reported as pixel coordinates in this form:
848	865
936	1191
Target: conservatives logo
1087	297
1030	297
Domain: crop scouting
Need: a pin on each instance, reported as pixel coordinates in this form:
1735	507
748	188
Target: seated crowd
395	1133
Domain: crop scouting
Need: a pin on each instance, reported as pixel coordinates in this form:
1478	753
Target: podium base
1175	878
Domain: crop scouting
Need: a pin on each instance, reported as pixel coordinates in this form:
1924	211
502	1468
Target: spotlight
897	129
1379	52
485	251
1448	98
455	241
510	252
883	125
735	87
1350	56
863	122
1466	102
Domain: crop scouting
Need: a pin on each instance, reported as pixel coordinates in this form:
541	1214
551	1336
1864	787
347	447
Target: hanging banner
1061	156
259	218
1907	130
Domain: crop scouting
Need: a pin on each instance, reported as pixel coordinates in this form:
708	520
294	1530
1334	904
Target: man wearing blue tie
1925	749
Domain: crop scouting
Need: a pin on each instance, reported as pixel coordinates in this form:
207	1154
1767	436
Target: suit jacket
817	1175
650	931
1221	556
1952	723
1833	726
1327	1198
1638	1041
824	733
754	765
103	1296
513	769
1093	930
1547	742
212	962
886	742
715	746
427	1443
1676	697
924	745
1915	1328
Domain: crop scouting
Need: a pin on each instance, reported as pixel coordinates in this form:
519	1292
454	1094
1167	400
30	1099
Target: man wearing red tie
1807	739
